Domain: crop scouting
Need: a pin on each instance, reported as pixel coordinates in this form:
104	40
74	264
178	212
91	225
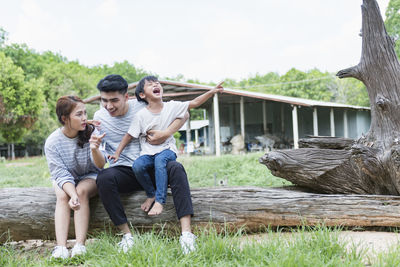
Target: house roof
186	91
195	125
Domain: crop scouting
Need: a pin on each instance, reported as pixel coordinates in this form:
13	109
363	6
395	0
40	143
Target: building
253	114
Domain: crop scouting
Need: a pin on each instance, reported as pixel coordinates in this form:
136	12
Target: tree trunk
28	213
12	151
372	164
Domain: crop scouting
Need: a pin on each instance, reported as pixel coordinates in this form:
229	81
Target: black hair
140	87
113	83
65	105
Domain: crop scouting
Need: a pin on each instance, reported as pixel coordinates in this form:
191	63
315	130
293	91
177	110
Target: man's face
115	103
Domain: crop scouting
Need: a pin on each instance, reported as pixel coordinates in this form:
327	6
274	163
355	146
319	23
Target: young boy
157	115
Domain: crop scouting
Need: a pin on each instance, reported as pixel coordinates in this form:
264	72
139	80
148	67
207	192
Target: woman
73	172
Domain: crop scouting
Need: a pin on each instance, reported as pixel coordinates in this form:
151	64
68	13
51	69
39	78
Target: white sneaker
60	252
188	242
78	249
126	243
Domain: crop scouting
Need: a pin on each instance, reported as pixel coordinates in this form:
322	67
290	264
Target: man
116	115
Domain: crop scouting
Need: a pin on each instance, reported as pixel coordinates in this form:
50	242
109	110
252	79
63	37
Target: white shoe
126	243
60	252
78	249
188	242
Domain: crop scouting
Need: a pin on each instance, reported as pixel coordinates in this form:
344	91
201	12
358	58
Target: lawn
318	246
243	170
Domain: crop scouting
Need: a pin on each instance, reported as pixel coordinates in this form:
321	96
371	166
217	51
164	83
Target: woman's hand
74	203
95	141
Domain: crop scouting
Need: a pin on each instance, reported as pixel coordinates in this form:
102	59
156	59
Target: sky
209	40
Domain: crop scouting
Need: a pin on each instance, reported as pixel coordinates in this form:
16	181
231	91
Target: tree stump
372	164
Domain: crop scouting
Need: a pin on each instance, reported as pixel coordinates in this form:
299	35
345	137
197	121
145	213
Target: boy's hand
95	123
95	141
74	203
218	88
156	137
114	157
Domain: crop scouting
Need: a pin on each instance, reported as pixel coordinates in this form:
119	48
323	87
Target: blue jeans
143	164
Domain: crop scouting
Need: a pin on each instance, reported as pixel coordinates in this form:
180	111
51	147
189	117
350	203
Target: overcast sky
209	39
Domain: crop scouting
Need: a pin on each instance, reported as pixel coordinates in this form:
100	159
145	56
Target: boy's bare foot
147	204
156	209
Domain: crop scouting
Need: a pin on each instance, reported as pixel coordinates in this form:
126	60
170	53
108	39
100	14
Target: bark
28	213
371	164
326	142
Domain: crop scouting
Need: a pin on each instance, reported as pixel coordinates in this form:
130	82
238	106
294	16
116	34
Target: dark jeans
158	162
121	179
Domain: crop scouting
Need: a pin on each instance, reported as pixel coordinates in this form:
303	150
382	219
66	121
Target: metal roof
186	91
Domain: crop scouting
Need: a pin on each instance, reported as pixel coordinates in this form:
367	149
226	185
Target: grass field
238	170
308	247
319	246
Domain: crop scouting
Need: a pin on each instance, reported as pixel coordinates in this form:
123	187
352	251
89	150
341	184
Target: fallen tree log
28	213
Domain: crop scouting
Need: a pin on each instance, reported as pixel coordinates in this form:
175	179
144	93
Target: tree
392	21
371	165
20	102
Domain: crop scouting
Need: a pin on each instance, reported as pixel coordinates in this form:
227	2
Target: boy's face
153	91
115	103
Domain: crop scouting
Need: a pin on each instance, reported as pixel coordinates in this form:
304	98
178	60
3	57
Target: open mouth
156	91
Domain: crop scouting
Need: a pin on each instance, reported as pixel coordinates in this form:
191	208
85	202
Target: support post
345	125
295	128
216	126
242	122
264	111
315	121
332	120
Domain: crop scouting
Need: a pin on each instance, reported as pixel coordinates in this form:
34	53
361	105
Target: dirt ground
373	242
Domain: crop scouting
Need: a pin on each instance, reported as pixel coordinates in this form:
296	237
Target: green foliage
392	22
20	102
3	36
125	69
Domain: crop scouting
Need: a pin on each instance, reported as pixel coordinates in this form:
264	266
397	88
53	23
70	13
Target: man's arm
124	142
156	137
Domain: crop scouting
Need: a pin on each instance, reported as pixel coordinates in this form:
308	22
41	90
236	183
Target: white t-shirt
146	120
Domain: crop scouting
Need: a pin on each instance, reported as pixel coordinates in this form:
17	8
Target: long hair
65	105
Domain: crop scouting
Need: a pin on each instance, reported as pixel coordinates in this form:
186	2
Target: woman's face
77	118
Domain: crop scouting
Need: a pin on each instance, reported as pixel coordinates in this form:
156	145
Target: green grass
243	170
24	172
319	247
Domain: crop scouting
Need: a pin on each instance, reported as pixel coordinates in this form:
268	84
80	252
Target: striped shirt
66	160
115	129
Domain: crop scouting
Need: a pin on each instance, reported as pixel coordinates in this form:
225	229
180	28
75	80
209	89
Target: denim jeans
143	164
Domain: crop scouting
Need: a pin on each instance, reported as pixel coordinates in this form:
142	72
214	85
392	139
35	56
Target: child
157	115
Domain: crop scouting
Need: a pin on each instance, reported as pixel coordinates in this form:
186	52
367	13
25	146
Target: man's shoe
60	252
188	242
126	243
78	249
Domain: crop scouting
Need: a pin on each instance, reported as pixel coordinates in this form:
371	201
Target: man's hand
74	203
114	157
95	141
156	137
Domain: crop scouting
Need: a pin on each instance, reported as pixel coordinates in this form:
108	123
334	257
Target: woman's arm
98	157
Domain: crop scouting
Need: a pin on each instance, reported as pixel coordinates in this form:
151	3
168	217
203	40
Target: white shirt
146	120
